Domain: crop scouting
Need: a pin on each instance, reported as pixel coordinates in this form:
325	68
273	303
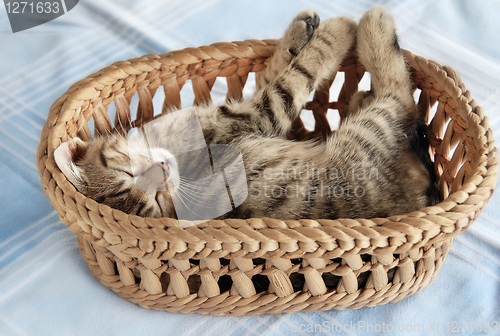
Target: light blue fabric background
47	289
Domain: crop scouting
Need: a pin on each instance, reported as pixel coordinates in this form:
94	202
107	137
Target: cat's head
122	172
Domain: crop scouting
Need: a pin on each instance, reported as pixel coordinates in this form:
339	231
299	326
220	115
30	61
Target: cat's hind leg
378	50
389	113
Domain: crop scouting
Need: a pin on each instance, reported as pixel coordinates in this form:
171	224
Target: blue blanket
45	286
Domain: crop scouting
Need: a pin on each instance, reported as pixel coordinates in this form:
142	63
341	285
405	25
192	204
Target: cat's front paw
300	31
331	42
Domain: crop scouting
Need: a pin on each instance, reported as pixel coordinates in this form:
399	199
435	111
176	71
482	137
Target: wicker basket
301	265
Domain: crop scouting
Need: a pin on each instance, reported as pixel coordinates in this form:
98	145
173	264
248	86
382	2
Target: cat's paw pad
300	31
311	19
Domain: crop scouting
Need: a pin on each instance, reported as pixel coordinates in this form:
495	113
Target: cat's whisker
187	179
196	193
202	196
195	189
187	207
196	202
190	196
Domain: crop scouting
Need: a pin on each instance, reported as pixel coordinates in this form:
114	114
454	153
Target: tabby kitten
375	165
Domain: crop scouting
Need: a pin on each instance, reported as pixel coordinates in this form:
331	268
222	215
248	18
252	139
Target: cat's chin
165	205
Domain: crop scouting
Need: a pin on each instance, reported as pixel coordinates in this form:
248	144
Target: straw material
262	265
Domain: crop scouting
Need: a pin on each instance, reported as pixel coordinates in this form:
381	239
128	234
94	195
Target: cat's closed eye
128	173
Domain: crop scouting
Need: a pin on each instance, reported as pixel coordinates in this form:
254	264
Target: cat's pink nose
165	167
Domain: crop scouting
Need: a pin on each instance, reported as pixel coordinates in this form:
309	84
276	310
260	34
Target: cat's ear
67	157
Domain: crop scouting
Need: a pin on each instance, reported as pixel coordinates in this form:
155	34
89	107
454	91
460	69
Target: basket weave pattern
158	265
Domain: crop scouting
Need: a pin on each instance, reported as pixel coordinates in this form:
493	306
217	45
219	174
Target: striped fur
368	168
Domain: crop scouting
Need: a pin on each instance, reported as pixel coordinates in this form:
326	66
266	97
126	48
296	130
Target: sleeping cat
375	165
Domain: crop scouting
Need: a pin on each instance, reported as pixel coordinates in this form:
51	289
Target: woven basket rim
375	235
